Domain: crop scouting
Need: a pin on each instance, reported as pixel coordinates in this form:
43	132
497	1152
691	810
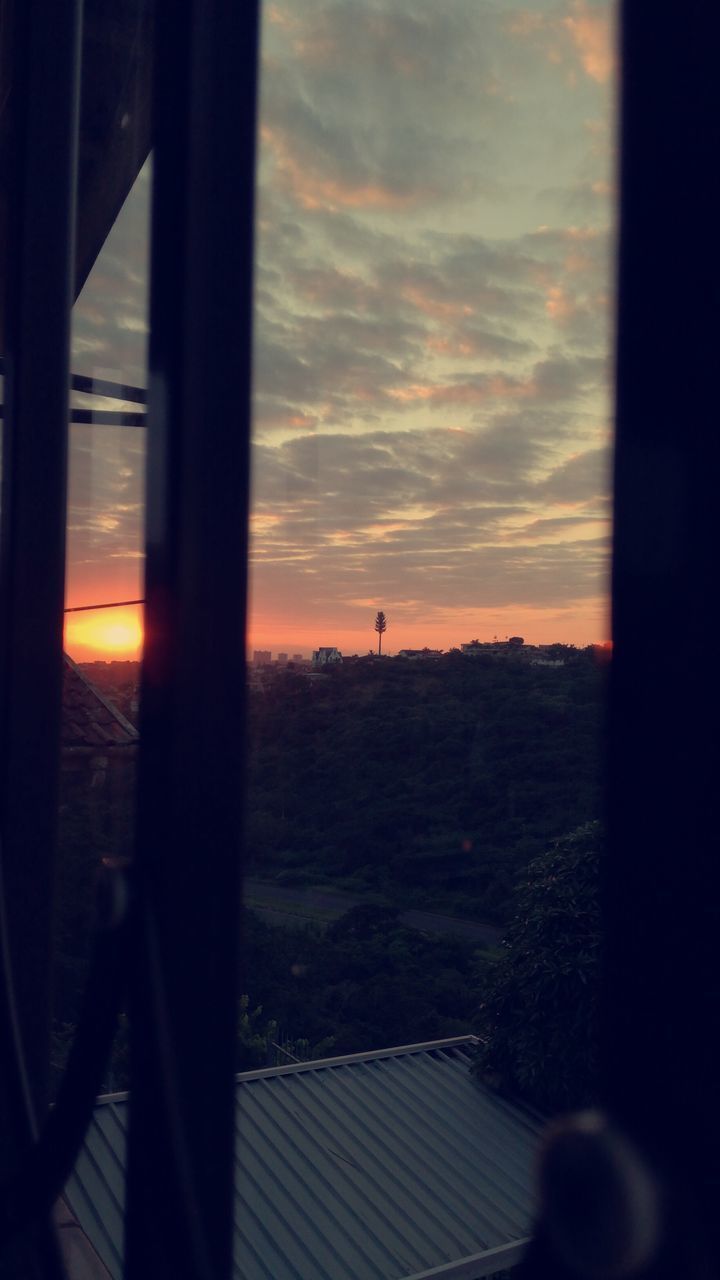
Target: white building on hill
326	657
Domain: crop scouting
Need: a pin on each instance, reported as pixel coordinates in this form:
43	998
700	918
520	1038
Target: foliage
116	1076
381	628
365	982
94	821
253	1037
430	782
538	1019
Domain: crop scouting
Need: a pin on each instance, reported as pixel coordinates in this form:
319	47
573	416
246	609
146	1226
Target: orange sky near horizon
116	634
538	626
105	635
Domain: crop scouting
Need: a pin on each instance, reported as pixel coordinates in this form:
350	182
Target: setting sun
114	633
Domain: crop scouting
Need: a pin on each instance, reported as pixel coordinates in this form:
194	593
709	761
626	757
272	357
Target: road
285	904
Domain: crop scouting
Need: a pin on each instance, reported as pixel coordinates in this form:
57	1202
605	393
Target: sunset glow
432	412
408	631
108	633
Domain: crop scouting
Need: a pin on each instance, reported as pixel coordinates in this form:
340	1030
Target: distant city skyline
270	653
118	634
432	408
542	630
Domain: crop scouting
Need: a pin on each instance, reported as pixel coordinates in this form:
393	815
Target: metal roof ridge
346	1059
477	1265
260	1073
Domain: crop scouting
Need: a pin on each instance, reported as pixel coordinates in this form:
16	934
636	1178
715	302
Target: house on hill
327	656
476	648
414	654
498	648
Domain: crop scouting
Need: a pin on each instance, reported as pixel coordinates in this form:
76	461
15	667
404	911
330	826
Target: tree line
430	782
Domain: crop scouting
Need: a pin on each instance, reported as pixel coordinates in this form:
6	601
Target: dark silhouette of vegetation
94	822
432	783
362	983
538	1016
366	982
381	628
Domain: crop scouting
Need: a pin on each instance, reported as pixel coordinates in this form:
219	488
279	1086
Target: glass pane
107	462
104	588
431	455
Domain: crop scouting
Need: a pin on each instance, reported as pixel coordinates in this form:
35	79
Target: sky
432	415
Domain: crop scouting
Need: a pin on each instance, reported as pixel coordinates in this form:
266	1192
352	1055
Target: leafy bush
538	1020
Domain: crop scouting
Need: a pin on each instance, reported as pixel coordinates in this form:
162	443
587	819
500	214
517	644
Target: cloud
390	108
432	317
105	513
339	126
591	32
109	321
449	322
581	477
585	29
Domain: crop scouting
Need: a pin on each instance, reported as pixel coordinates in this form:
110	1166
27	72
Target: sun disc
105	632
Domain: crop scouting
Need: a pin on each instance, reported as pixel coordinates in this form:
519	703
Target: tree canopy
380	627
538	1017
432	782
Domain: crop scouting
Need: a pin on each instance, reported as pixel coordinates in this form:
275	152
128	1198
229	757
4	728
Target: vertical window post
662	910
37	275
182	1126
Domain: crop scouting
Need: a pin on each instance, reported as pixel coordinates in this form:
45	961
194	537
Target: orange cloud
296	421
314	190
590	32
558	305
433	306
462	392
263	521
581	233
451	346
575	263
280	17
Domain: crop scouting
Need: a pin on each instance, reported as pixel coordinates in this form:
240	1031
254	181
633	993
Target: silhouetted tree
381	628
538	1018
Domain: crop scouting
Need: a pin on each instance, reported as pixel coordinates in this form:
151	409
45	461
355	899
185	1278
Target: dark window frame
661	988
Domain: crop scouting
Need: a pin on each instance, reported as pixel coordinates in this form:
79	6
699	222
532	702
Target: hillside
427	782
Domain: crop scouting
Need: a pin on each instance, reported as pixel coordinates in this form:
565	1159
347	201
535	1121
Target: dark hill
429	782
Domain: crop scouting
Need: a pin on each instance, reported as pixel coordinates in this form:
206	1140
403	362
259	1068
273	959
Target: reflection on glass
107	461
104	589
431	449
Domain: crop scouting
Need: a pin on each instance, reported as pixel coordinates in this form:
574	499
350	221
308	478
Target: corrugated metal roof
376	1167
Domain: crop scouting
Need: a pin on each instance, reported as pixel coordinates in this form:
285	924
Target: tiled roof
88	718
388	1166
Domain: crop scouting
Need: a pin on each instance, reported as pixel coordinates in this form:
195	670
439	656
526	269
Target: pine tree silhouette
381	628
